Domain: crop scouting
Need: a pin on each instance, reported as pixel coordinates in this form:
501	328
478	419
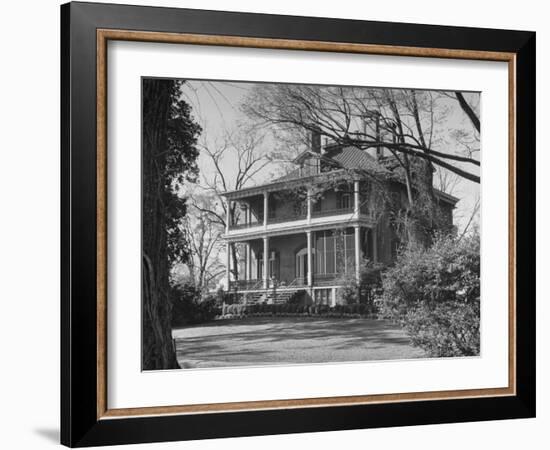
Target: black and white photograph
299	224
241	225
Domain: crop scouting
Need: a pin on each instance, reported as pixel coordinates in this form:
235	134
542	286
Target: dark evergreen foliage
169	155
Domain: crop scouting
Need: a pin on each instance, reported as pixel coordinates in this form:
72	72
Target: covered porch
309	259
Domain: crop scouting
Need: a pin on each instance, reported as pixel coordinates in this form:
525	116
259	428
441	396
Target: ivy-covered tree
169	154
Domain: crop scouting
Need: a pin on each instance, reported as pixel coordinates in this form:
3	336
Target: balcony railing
241	226
286	218
332	212
273	219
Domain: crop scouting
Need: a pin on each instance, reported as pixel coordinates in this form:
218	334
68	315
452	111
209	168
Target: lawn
284	340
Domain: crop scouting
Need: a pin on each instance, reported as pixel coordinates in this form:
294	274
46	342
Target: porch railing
272	219
331	212
325	279
246	285
286	218
298	282
241	226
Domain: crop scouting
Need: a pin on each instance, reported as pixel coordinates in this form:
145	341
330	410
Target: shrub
189	308
222	296
297	297
323	309
353	292
434	293
348	293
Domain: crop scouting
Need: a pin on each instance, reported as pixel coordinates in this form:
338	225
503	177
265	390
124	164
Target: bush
362	292
189	308
434	293
297	297
222	296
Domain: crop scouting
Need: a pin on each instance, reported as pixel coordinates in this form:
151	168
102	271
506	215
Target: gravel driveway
260	341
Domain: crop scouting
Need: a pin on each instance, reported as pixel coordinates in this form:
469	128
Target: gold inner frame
104	35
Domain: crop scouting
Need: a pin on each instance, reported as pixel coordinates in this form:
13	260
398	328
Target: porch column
266	262
227	215
309	260
228	264
245	257
357	252
356	199
266	205
248	262
308	206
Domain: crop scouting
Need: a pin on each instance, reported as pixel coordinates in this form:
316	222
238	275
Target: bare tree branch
468	110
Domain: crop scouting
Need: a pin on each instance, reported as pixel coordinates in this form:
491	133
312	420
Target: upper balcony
287	213
274	218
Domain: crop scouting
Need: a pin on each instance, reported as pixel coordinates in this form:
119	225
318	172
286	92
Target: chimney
316	141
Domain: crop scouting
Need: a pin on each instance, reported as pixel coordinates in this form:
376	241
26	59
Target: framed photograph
276	224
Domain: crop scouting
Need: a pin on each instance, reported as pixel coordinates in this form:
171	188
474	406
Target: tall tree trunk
158	351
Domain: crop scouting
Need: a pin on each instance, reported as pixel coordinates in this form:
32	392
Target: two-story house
311	228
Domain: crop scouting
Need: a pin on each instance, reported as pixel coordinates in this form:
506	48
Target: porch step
254	297
269	296
279	297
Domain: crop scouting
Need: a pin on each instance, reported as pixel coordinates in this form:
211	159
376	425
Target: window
272	207
330	266
260	266
335	251
273	265
350	250
368	244
320	252
345	201
300	208
317	205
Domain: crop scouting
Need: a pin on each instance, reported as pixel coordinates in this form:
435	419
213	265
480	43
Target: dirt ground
287	340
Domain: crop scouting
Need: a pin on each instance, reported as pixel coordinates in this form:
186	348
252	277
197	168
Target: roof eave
448	197
277	185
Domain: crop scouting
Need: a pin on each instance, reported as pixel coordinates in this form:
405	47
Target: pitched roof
350	158
346	158
355	158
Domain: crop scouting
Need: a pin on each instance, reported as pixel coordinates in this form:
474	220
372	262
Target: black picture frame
80	425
